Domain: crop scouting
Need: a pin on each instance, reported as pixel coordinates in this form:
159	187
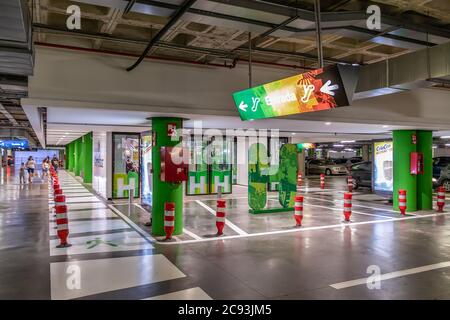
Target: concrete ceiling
217	31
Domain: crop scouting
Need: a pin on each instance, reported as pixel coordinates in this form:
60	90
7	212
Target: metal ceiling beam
303	14
174	19
8	115
213	52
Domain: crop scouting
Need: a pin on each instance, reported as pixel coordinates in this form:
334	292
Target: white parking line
392	275
340	225
227	222
353	204
144	234
340	209
191	234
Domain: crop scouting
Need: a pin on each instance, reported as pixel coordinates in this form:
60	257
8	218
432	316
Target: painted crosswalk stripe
94	276
392	275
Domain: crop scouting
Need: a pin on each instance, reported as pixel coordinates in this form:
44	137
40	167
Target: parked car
362	174
327	166
444	179
438	164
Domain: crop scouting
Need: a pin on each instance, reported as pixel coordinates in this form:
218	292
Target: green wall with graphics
79	157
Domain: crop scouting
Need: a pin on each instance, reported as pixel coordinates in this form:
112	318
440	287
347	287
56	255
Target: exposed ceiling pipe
129	6
318	33
228	66
174	19
8	115
212	52
249	59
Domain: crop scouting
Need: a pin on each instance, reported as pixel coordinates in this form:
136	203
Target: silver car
327	166
444	178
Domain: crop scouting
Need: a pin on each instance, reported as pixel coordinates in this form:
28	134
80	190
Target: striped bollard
62	226
60	200
440	199
347	206
402	201
169	219
322	181
58	191
298	211
220	216
299	179
350	183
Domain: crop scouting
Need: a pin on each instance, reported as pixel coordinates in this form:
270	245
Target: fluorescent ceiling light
327	123
447	144
385	126
434	147
293	133
347	141
445	137
338	145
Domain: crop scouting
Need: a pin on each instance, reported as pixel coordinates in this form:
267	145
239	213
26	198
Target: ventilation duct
419	69
16	53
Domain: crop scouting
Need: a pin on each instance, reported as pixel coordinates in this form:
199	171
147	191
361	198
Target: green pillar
70	156
162	191
78	156
87	158
424	181
418	187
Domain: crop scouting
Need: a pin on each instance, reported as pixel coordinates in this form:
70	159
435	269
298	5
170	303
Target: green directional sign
316	90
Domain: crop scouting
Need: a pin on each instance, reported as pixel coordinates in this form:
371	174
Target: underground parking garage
219	150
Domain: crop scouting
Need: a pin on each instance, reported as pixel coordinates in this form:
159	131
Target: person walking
55	163
31	166
45	168
22	173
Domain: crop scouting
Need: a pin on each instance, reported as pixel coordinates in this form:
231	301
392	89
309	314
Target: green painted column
403	179
67	157
162	191
424	181
419	188
70	157
78	156
87	158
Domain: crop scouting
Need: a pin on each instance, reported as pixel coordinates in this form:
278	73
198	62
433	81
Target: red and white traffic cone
440	199
347	206
298	211
169	219
220	216
57	191
59	199
322	181
350	183
299	179
402	201
62	226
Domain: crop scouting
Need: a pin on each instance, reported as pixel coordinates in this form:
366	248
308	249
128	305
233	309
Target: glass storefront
146	169
126	164
210	165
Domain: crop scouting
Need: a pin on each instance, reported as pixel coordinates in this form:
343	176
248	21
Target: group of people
30	168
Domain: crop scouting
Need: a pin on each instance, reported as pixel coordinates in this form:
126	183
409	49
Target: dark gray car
362	174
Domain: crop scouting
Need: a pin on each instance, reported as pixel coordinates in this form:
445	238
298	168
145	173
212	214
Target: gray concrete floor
273	264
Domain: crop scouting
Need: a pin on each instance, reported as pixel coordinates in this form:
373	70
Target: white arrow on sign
243	106
326	88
